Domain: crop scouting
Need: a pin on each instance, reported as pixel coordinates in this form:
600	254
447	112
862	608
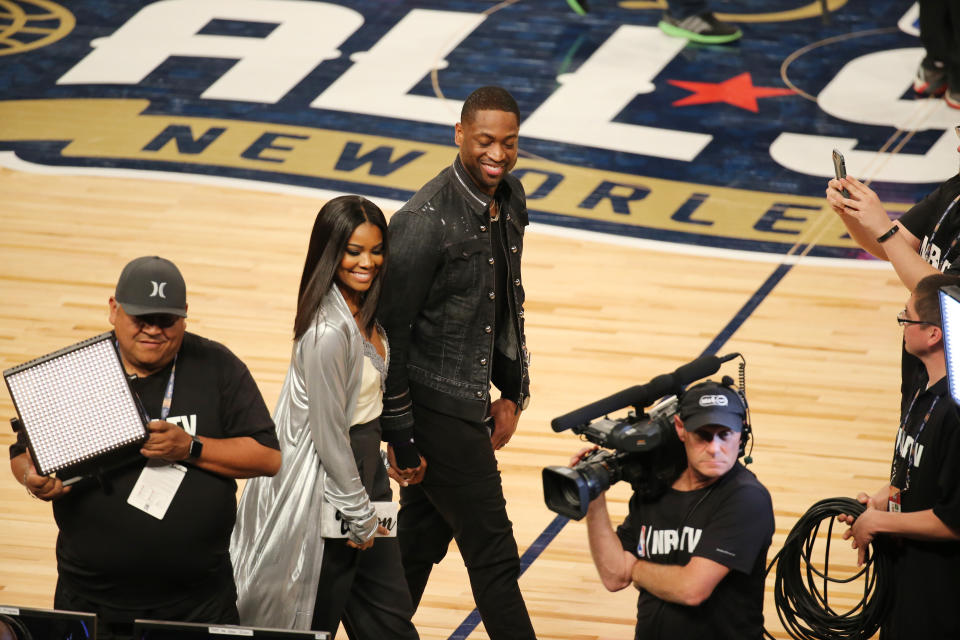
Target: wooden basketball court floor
822	349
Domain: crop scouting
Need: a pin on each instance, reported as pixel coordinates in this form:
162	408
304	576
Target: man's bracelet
889	234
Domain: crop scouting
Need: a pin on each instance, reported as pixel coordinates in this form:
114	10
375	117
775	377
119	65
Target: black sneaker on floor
703	28
930	82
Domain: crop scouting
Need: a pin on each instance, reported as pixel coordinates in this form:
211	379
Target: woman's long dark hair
332	229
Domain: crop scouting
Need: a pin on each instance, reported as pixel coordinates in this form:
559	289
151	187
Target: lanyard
936	227
168	394
903	429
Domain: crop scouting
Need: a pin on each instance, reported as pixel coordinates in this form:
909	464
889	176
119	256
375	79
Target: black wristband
889	234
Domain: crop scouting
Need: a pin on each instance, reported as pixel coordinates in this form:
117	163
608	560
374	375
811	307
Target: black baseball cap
149	285
711	403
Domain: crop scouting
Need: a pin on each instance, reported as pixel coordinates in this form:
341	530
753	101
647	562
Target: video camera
645	449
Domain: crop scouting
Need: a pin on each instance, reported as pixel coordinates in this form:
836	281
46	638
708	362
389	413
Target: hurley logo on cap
152	284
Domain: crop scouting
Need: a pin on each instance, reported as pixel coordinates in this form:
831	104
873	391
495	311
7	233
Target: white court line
9	160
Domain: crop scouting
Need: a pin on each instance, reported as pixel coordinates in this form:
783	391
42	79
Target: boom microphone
643	395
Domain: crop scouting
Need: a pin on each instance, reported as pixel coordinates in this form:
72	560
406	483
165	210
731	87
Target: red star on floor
738	91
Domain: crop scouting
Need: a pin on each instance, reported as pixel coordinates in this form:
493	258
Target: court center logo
625	131
26	25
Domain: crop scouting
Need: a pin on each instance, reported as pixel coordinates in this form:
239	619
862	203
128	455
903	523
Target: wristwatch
196	448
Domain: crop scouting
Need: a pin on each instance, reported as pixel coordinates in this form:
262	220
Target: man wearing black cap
697	553
149	536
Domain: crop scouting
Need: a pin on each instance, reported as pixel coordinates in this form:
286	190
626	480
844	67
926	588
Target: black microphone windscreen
660	386
601	407
699	368
641	395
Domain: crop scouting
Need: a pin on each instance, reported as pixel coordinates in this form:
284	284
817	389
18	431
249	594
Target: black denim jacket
438	306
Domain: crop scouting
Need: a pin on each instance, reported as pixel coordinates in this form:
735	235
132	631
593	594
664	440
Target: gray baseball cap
151	284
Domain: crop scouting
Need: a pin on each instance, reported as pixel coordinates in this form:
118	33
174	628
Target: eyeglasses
159	320
903	320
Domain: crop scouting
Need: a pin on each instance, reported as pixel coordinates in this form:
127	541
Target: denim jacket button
488	329
483	227
517	282
483	361
513	248
479	394
490	260
491	295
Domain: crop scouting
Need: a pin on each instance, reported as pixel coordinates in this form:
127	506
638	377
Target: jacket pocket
464	261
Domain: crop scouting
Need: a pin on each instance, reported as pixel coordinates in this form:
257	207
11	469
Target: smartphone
840	169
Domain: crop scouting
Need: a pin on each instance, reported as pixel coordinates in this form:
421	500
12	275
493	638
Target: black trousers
940	35
366	590
113	623
461	498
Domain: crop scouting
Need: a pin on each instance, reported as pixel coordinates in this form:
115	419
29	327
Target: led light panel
950	319
75	404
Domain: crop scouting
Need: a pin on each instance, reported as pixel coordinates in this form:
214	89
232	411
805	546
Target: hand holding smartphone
840	169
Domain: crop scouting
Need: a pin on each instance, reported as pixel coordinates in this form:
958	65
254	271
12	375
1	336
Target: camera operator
697	553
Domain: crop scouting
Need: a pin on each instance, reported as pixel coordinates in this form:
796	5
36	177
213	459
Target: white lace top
372	382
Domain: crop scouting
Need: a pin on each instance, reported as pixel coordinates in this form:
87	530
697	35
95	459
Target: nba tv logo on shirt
662	542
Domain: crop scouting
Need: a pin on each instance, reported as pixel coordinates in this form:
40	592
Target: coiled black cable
801	591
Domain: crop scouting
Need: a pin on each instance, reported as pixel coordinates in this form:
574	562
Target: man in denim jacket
453	310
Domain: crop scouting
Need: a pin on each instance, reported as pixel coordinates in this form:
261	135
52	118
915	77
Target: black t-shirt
729	522
935	220
506	372
113	553
927	573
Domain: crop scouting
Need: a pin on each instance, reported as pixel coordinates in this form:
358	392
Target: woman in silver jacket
287	575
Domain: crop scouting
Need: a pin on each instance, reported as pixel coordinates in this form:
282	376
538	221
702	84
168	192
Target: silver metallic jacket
276	546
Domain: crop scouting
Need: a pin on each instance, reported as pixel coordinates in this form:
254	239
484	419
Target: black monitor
24	623
163	630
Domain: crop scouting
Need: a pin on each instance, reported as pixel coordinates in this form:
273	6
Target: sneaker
953	98
703	28
579	6
930	82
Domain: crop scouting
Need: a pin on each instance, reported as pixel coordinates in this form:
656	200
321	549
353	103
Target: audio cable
802	591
